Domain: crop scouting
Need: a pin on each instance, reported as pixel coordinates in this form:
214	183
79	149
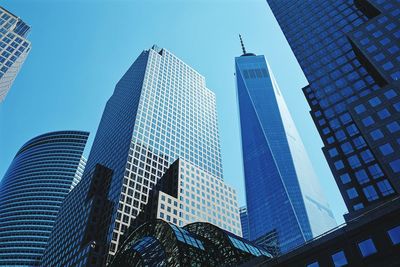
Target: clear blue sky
81	48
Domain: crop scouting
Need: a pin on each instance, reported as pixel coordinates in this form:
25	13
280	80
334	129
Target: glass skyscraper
42	173
160	110
14	48
283	195
244	221
350	53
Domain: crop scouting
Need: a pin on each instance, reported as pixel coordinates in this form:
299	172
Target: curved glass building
42	173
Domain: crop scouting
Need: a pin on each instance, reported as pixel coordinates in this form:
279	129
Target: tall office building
284	199
350	54
160	110
40	176
14	48
244	221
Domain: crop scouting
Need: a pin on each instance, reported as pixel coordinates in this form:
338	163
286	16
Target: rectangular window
367	247
394	235
339	259
314	264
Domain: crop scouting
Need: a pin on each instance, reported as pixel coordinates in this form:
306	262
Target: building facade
160	110
371	239
14	48
350	54
283	195
40	176
159	243
244	221
186	194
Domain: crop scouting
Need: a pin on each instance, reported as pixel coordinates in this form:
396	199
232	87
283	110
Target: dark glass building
372	239
285	204
159	243
350	54
40	176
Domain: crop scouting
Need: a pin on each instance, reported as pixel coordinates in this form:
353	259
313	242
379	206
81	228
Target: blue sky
80	49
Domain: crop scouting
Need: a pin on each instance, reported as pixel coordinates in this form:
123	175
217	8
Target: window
362	176
385	187
360	108
367	247
394	235
345	178
352	193
383	114
376	134
393	127
370	193
386	149
374	101
395	165
339	259
368	121
314	264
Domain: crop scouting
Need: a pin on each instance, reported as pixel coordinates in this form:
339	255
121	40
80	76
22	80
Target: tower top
241	42
243	48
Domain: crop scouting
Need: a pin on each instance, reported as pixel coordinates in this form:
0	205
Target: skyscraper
283	195
160	110
42	173
14	48
244	221
350	53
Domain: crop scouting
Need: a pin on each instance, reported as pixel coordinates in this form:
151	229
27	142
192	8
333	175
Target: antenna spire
241	42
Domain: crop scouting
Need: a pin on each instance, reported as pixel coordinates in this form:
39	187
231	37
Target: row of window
366	248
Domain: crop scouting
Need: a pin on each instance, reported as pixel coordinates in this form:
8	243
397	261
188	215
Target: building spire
241	42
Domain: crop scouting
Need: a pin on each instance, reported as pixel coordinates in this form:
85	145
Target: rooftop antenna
241	42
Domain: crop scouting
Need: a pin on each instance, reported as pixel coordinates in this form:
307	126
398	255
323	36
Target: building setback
40	176
349	52
186	194
14	48
160	110
285	204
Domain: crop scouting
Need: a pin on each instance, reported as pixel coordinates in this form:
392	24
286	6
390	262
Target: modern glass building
159	243
350	54
32	190
244	221
160	110
14	48
283	195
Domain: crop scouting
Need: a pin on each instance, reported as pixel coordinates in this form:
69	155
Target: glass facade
14	48
158	243
282	192
244	221
32	190
350	54
160	110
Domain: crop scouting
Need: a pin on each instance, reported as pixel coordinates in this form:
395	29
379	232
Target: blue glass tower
244	221
350	53
282	192
40	176
14	48
160	110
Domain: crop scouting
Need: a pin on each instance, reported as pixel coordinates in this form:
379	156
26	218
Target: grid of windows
176	117
201	198
31	193
14	48
351	60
